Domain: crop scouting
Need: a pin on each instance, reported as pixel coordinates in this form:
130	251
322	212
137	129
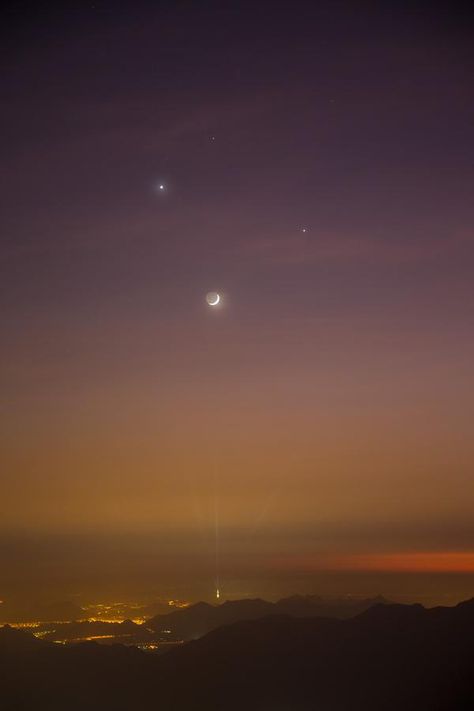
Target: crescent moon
214	303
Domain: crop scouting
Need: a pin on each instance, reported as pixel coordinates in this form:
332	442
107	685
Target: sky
317	169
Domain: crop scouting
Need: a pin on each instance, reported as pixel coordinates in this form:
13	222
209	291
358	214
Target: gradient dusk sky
317	164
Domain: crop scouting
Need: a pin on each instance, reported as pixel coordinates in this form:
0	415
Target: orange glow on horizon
404	562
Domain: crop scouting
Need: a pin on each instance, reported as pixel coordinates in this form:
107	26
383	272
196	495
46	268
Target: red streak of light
409	562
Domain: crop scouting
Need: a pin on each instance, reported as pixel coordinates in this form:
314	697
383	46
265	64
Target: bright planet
212	298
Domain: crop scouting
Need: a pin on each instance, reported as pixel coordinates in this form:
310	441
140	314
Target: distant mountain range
197	620
390	658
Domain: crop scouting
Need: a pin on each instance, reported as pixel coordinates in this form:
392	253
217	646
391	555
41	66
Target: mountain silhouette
197	620
13	641
391	657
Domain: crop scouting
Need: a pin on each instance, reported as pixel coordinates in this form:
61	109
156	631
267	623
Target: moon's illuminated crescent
213	298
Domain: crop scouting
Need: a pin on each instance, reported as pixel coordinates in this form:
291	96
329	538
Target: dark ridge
391	657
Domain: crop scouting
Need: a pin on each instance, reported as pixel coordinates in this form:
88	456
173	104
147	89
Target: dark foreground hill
391	657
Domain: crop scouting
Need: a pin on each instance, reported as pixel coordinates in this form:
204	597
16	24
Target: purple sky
318	168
